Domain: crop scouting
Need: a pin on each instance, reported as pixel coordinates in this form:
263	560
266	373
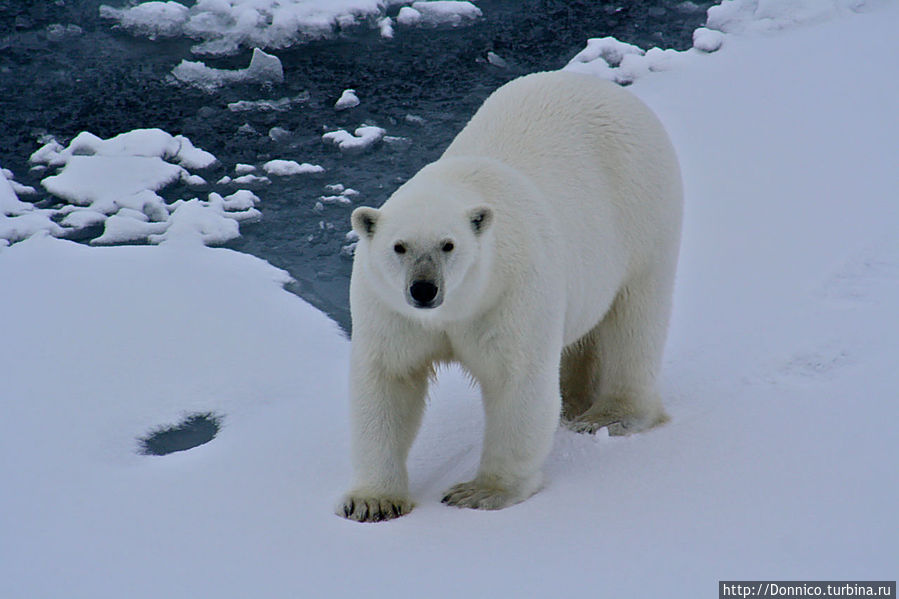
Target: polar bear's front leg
521	416
386	413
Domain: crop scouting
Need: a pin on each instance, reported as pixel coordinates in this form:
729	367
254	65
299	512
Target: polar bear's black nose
423	292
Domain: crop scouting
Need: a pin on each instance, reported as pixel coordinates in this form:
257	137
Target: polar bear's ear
364	220
481	218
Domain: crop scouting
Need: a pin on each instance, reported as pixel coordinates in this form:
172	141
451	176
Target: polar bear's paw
478	495
619	422
487	493
364	508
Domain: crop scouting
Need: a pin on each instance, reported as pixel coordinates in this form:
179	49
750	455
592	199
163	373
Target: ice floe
347	100
263	68
150	19
115	183
268	105
222	27
438	13
360	140
285	168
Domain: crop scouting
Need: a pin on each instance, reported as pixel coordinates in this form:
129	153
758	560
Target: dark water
61	81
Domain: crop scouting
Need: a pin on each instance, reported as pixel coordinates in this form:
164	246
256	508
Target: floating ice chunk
10	204
347	100
114	182
190	156
243	169
339	199
150	19
251	180
242	199
226	180
707	40
196	221
108	182
224	26
408	17
497	60
194	180
20	220
279	134
126	226
139	142
385	26
48	154
268	105
364	138
284	168
439	13
58	32
397	143
79	218
264	68
414	119
22	226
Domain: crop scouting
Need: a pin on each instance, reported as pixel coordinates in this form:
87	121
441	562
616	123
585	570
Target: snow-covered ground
781	379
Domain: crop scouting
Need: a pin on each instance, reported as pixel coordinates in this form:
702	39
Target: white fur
562	293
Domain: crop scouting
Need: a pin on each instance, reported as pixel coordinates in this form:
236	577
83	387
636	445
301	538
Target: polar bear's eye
448	246
399	248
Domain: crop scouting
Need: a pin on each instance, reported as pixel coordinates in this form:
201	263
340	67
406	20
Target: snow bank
363	138
224	26
772	15
625	63
115	181
264	68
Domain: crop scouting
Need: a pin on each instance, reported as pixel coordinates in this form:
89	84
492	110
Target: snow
224	26
286	168
360	140
780	376
348	99
263	68
707	40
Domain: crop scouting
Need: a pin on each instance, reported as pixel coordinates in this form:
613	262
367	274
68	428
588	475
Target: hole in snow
194	430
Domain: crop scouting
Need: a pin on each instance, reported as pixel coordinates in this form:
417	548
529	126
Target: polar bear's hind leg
628	348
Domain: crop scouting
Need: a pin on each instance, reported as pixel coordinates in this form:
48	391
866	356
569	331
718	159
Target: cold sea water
59	80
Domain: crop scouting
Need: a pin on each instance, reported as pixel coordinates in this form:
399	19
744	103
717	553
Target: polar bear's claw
373	509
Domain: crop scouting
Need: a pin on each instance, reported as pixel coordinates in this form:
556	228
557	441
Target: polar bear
538	252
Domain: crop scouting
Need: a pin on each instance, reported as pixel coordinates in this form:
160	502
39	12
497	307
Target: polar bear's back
563	129
604	168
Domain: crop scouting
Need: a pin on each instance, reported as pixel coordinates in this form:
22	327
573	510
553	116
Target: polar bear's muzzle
424	286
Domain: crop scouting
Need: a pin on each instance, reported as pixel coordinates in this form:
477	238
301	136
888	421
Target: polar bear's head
428	260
